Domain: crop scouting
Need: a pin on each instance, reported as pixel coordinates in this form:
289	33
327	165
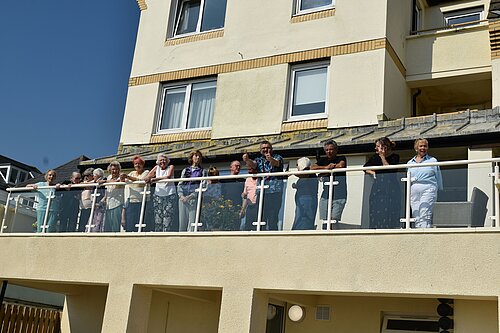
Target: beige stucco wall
475	316
397	99
273	34
140	114
398	25
448	53
250	102
356	89
419	263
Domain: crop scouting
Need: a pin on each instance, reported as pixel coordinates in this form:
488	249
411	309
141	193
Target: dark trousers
251	216
84	219
272	206
67	219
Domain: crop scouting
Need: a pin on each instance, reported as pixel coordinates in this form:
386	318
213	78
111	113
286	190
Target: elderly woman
100	202
385	197
134	200
306	197
86	200
165	196
186	190
43	198
425	183
114	217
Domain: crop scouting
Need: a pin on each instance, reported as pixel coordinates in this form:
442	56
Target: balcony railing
391	199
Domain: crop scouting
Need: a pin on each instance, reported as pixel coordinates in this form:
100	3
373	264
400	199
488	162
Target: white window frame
185	111
177	19
304	67
417	14
463	13
298	11
7	173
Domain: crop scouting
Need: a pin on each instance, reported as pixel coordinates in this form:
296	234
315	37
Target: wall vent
323	312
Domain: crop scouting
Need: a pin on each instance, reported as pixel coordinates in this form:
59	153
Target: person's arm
151	174
249	162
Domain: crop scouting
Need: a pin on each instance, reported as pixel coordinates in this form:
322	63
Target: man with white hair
70	204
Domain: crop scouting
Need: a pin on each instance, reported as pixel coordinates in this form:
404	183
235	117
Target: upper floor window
195	16
305	6
308	90
187	106
463	16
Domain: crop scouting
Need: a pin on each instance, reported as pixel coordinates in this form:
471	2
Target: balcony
468	198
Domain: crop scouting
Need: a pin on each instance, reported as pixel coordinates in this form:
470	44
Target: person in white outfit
425	183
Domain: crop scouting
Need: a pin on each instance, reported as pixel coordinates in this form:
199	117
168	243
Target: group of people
112	206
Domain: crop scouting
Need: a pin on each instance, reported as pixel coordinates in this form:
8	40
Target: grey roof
464	127
63	171
7	161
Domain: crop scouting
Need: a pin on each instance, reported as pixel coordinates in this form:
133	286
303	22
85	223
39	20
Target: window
308	86
187	106
462	17
3	173
305	6
396	324
416	22
195	16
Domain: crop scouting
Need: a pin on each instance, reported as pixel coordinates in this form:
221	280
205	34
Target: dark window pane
188	17
13	176
309	4
213	15
464	19
305	109
413	325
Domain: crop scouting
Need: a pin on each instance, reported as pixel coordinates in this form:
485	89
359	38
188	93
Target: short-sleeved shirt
43	198
134	190
250	190
340	190
264	166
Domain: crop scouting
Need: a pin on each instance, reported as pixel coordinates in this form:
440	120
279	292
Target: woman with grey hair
114	217
100	203
86	200
165	196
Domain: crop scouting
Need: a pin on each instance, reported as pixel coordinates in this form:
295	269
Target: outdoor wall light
296	313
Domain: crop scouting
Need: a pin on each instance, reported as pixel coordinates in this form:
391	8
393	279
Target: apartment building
220	76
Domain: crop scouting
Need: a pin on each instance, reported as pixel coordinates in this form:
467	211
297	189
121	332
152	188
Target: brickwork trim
313	16
142	4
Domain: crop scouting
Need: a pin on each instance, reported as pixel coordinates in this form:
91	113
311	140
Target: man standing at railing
329	162
70	204
266	163
232	190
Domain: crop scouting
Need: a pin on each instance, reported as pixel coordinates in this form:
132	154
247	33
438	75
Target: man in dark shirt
232	190
70	201
332	161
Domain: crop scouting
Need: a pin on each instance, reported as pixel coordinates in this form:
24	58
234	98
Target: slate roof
63	171
457	128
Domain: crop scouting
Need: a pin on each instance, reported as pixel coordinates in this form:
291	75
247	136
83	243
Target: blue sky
64	68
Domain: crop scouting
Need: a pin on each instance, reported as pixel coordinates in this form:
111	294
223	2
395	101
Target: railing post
497	196
46	217
5	212
330	202
259	222
197	223
407	219
143	208
89	224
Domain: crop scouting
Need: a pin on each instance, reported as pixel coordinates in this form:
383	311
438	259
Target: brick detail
494	28
142	4
324	52
304	125
182	136
313	16
194	38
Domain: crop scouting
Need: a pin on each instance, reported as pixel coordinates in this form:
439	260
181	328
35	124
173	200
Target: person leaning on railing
306	197
273	196
133	203
86	199
425	183
70	204
187	191
42	202
165	196
114	199
385	195
100	202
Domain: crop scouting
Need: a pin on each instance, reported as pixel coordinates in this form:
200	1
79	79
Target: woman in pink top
250	203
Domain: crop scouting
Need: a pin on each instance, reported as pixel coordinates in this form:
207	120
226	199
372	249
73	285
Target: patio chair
462	214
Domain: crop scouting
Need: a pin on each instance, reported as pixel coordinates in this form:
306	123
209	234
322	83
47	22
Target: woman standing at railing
134	201
385	198
186	190
43	200
114	199
425	183
100	202
165	196
86	200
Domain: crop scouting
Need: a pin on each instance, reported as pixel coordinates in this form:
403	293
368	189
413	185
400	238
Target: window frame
453	14
298	11
177	18
185	110
291	82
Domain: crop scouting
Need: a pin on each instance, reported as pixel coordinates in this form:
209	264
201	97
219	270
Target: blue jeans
305	212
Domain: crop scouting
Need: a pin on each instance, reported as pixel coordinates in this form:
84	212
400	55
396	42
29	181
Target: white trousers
423	197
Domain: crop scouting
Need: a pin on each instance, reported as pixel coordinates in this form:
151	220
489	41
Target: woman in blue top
42	202
425	183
